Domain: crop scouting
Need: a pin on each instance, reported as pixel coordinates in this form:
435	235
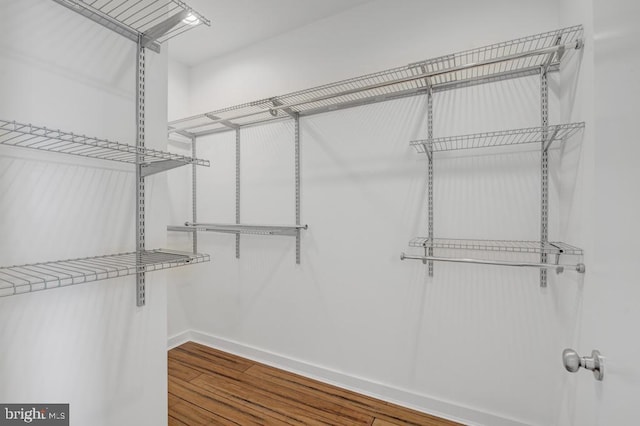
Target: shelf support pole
544	157
296	120
140	187
430	176
194	195
544	172
238	191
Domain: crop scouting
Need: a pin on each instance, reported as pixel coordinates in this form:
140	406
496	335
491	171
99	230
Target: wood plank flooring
210	387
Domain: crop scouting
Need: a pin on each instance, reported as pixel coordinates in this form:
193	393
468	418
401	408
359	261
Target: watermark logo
34	414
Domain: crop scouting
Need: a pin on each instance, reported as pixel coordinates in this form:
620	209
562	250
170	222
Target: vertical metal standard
194	211
296	120
238	191
544	171
140	207
430	175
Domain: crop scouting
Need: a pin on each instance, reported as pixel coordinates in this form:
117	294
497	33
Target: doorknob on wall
572	362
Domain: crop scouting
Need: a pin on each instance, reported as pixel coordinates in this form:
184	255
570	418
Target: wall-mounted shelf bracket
159	30
160	166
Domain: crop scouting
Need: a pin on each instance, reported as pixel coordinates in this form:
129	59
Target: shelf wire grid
141	15
43	276
553	133
515	58
510	246
41	138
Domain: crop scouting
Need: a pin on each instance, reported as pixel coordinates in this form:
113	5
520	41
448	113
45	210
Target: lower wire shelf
231	228
552	250
28	278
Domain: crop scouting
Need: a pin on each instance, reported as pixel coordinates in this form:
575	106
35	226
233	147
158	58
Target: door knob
572	362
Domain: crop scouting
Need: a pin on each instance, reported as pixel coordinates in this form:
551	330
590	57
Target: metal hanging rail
557	267
232	228
28	278
512	59
23	135
153	21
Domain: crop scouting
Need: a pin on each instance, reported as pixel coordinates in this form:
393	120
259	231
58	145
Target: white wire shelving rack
549	253
535	55
512	59
147	23
62	273
29	136
152	21
239	228
553	48
553	133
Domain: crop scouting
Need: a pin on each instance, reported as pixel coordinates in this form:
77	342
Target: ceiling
239	23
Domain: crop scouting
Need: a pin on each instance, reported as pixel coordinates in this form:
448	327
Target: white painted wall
607	308
86	345
478	343
178	89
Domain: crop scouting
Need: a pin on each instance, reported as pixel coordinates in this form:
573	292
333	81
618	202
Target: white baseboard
179	339
403	397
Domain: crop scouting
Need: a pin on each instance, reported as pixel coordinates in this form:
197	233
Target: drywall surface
86	345
483	338
178	90
607	307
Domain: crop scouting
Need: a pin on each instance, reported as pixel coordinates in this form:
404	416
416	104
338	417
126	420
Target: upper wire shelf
550	134
155	21
44	139
511	246
517	58
230	228
43	276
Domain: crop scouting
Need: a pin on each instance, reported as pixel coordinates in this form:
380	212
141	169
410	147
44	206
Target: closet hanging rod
239	228
580	267
237	224
542	51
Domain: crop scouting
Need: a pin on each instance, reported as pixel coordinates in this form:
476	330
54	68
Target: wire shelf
43	276
41	138
534	247
511	59
231	228
157	20
555	133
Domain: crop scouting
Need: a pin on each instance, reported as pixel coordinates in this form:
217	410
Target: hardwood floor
210	387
